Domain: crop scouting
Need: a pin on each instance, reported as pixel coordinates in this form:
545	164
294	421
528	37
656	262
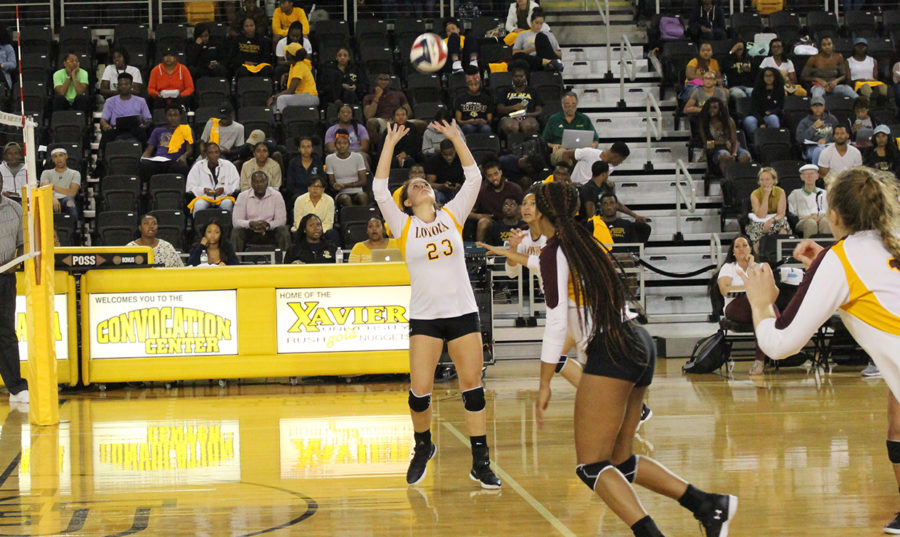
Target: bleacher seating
167	192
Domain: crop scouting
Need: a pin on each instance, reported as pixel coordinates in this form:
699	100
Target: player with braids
858	276
578	275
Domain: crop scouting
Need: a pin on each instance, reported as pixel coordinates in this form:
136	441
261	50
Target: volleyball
429	53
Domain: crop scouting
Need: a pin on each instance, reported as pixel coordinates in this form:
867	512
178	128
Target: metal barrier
101	13
604	16
715	250
626	55
682	175
32	13
653	113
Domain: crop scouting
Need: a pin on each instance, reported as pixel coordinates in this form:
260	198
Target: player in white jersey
442	306
579	274
859	277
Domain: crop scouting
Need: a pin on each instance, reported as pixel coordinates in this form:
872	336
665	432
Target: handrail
654	112
715	250
626	55
604	17
683	175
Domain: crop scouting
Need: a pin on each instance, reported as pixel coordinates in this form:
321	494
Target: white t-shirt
787	66
805	204
111	73
730	270
346	170
279	47
585	157
831	159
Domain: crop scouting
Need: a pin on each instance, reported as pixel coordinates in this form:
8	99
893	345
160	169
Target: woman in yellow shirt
301	86
362	251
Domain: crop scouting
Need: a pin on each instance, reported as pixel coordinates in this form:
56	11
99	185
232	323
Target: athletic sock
423	438
645	527
479	448
693	499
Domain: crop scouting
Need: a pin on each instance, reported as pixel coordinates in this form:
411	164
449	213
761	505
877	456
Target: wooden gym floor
804	452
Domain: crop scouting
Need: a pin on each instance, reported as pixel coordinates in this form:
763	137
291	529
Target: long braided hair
596	283
867	199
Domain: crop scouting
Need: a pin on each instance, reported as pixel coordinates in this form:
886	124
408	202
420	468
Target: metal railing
101	13
626	55
32	13
715	250
604	17
689	199
654	130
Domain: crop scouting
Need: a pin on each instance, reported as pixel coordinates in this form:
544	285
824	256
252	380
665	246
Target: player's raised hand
449	130
807	251
395	133
515	239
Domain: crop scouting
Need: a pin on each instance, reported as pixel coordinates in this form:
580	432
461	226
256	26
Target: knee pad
893	451
589	473
419	403
473	399
562	363
628	467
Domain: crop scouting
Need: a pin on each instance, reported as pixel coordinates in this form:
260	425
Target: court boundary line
10	468
529	499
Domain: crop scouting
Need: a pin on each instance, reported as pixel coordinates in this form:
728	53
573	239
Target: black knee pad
893	451
589	473
419	403
473	399
628	467
562	363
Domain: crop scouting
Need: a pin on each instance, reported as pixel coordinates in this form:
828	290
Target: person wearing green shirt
70	84
569	118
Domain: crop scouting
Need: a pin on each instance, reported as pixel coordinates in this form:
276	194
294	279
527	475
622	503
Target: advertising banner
174	323
342	319
60	326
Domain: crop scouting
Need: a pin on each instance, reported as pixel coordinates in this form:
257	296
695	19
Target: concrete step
555	6
678	263
598	68
664	225
645	192
662	302
591	34
598	52
608	94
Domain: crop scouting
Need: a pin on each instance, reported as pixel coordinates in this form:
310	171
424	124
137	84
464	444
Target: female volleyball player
442	306
579	275
859	276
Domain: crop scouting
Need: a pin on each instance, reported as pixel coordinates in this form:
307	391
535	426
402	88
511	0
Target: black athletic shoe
419	463
482	473
646	414
893	527
715	520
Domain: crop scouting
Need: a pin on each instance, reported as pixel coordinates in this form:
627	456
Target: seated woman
700	94
740	72
718	134
460	52
362	251
359	136
826	72
316	202
517	20
883	155
730	284
311	246
261	162
697	67
301	86
110	78
170	83
767	101
163	252
283	66
778	60
218	250
300	172
251	53
407	148
537	49
343	80
204	57
864	72
768	204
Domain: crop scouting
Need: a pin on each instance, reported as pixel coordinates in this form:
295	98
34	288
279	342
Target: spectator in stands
863	126
474	109
815	130
622	230
378	240
568	118
718	135
895	76
213	181
489	205
809	204
838	156
359	136
119	65
301	171
864	72
585	157
695	70
301	86
163	252
286	14
169	147
518	17
562	173
204	57
883	155
170	82
224	131
740	72
460	52
261	162
248	8
537	49
826	72
731	285
259	216
343	79
406	150
521	107
767	101
346	172
444	172
768	203
13	172
600	185
71	86
312	246
283	66
8	63
431	140
779	60
219	250
124	105
500	230
380	105
251	52
700	94
319	203
707	22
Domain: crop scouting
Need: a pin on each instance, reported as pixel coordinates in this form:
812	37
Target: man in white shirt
585	157
809	204
213	181
839	156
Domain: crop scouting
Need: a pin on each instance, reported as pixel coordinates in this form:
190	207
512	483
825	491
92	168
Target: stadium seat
121	193
821	24
38	39
860	24
371	33
123	149
397	177
253	91
201	116
76	38
675	57
169	35
131	37
882	49
257	117
300	121
795	109
786	24
66	228
483	145
331	35
891	21
353	233
171	226
788	174
426	111
211	91
456	85
771	145
167	191
494	53
68	126
355	213
116	228
423	88
745	25
204	217
840	106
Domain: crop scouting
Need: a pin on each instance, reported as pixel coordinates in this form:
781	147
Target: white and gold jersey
532	248
434	251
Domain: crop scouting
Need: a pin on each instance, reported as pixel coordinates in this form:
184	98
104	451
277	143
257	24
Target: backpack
670	28
710	353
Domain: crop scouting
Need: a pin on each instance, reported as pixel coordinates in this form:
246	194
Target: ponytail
868	200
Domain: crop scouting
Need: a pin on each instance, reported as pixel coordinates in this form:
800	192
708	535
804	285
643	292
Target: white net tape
10	123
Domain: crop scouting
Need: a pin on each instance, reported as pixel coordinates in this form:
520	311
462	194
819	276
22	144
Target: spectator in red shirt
170	82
